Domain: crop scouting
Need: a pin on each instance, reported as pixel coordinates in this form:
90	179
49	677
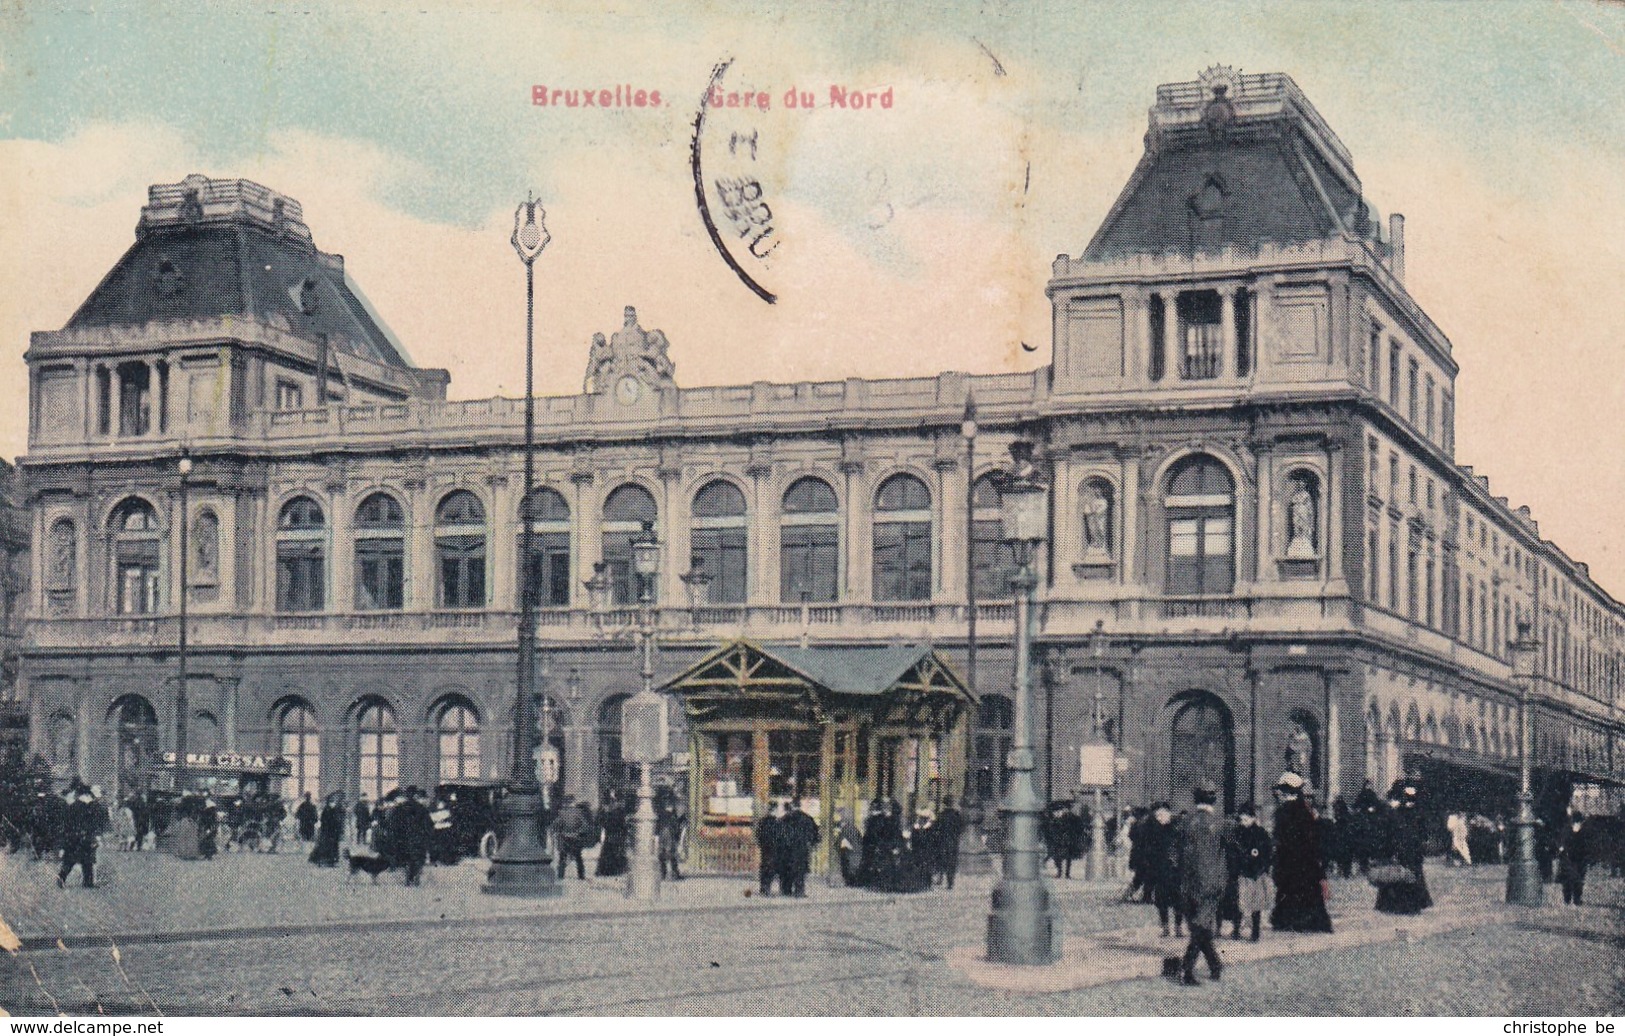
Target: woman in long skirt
329	833
612	856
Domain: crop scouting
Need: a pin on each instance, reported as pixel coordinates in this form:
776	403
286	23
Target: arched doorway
613	771
137	724
1202	746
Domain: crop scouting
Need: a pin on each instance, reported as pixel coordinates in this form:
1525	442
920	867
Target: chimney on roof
1396	246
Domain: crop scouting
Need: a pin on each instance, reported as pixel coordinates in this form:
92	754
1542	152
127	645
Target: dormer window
1201	325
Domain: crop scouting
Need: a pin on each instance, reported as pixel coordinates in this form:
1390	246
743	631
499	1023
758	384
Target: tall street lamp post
1103	752
182	707
644	735
1523	872
522	865
971	841
1021	926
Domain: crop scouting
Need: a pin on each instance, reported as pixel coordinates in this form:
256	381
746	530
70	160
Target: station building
1264	554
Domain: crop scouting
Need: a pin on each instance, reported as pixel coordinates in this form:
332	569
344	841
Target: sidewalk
1468	900
146	897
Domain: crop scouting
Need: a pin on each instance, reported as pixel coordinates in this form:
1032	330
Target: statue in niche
1096	510
1300	522
205	548
1300	751
64	556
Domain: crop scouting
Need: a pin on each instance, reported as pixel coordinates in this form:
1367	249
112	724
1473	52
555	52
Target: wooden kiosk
833	726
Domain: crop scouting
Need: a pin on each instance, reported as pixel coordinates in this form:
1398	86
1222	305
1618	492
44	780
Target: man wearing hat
1300	864
1203	871
82	824
798	834
412	829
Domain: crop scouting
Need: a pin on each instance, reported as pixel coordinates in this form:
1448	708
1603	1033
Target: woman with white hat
1300	863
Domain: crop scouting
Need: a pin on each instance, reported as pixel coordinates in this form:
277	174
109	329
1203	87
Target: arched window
138	743
380	554
993	560
809	543
902	544
625	511
301	744
301	557
377	749
549	517
459	543
613	770
1201	509
717	541
458	728
995	723
134	528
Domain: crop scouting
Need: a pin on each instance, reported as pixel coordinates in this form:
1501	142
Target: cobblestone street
272	935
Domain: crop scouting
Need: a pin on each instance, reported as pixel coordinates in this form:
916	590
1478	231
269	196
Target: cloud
917	239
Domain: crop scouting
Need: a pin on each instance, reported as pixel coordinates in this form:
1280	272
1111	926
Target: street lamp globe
646	552
184	466
967	424
1524	650
1024	502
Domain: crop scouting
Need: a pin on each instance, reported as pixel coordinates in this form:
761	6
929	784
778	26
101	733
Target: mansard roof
215	248
1234	161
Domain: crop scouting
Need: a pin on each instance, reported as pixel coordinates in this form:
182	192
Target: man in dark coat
950	828
1574	852
1202	863
1161	877
363	819
331	830
670	823
573	830
81	825
411	832
141	814
1405	842
304	818
1366	822
1300	865
798	834
767	851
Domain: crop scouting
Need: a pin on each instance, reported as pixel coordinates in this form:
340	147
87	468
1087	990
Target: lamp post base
522	866
1524	887
643	870
1021	927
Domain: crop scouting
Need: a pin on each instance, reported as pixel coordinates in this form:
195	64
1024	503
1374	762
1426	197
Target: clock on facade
628	389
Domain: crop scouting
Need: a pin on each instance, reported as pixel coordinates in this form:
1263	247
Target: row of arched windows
1199	504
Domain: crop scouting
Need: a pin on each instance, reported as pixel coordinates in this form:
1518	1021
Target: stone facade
1263	553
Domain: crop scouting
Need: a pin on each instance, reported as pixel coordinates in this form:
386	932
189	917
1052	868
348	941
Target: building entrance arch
136	722
1201	747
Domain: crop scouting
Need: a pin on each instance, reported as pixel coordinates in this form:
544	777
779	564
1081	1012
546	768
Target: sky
912	238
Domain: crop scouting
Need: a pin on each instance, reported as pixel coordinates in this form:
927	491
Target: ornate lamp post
1021	926
1103	761
182	708
968	429
1523	872
522	865
644	735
